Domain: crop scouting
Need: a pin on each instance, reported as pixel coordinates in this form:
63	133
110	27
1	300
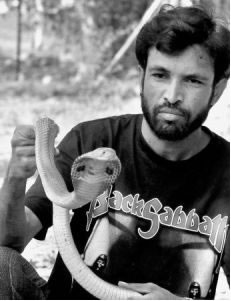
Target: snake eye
80	168
109	171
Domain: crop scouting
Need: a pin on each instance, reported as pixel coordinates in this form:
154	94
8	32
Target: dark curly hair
174	29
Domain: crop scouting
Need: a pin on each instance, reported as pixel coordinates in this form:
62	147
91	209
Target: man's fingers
26	131
24	151
23	158
57	152
30	161
23	135
143	288
29	151
149	291
22	167
26	164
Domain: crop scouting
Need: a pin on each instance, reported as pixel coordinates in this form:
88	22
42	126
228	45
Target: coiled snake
92	174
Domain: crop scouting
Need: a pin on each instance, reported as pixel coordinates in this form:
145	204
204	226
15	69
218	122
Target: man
174	182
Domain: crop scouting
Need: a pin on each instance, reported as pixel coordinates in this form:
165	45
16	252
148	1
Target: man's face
177	92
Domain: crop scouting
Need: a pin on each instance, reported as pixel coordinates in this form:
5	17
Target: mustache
168	107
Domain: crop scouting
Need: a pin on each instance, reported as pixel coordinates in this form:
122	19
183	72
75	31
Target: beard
176	129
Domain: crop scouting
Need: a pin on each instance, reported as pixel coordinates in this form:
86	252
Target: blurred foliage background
53	54
70	41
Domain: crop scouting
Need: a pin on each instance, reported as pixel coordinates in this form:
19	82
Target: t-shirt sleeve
36	199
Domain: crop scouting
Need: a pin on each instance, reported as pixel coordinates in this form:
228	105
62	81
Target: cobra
92	174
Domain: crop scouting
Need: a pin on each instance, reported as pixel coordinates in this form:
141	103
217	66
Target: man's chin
170	135
170	132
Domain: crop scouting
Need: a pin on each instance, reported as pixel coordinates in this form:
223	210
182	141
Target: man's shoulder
219	153
221	143
218	141
104	132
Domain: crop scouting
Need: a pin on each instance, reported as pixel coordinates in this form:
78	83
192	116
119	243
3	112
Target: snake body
92	174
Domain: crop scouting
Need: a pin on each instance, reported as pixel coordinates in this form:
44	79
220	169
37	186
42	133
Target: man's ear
218	90
141	77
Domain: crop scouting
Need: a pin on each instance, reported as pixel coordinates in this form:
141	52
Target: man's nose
173	92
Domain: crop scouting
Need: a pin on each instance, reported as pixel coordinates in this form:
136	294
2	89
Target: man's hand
149	291
16	228
22	163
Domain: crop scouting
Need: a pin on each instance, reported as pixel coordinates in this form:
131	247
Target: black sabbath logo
153	211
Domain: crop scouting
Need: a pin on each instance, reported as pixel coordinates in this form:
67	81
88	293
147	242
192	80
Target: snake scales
92	174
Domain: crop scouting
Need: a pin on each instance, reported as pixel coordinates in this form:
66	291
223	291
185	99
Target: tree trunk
38	25
88	53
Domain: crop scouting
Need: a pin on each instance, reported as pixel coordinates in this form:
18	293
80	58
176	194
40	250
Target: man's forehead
192	59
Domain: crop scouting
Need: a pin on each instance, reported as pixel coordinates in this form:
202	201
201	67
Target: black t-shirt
168	220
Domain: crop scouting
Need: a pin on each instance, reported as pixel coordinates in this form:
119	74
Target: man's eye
194	81
158	75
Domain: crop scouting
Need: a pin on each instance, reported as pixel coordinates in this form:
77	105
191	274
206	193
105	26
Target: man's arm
18	223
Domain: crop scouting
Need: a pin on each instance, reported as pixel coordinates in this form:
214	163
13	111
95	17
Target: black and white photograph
115	150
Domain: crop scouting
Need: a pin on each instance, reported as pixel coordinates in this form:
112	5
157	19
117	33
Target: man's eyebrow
157	68
197	76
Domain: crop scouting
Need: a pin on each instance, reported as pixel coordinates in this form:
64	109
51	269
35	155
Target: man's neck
175	150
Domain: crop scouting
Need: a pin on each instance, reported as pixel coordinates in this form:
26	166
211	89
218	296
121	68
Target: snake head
48	126
94	172
98	165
